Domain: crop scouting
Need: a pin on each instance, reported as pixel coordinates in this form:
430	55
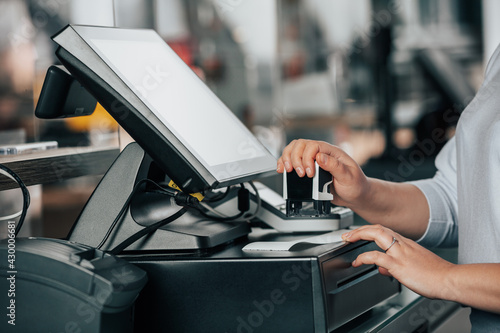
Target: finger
285	158
334	165
280	165
377	258
347	236
308	150
296	157
382	236
368	226
300	155
309	157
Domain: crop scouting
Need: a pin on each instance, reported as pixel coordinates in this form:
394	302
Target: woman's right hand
350	185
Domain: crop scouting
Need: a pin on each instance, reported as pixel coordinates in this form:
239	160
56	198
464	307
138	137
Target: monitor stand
191	232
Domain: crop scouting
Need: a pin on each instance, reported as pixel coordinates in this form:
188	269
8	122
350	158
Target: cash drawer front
351	291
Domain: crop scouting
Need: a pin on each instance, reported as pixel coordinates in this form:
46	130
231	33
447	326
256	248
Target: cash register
223	252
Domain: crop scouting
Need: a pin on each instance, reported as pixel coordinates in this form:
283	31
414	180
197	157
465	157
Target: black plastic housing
60	286
62	96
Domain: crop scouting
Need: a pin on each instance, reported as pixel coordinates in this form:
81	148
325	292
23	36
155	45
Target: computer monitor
164	106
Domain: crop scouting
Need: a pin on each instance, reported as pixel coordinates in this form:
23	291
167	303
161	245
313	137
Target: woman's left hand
411	264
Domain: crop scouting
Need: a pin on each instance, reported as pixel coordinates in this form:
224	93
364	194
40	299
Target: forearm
475	285
398	206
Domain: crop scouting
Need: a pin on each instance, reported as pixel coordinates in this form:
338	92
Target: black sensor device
62	96
308	196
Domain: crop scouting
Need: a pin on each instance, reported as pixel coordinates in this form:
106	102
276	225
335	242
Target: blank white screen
195	116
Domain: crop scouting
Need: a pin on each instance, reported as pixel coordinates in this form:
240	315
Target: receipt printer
51	285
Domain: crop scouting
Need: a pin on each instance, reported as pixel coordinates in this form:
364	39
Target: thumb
333	164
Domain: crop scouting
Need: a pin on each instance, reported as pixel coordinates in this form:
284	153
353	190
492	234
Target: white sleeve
441	194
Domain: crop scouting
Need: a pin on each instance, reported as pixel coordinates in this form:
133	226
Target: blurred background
386	80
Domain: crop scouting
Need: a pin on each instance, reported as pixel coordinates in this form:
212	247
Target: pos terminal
185	188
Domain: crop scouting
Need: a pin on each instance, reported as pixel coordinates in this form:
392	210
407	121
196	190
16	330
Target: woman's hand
411	264
349	182
375	200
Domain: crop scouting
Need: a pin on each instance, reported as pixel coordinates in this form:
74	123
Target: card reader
273	212
305	206
316	190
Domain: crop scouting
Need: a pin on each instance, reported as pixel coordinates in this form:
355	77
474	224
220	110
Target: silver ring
393	241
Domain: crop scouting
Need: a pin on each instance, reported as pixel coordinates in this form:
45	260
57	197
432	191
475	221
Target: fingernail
287	166
322	158
309	172
346	236
354	262
300	172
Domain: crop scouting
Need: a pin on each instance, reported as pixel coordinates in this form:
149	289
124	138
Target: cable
223	218
143	232
26	198
259	202
212	210
218	197
123	209
12	216
181	199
